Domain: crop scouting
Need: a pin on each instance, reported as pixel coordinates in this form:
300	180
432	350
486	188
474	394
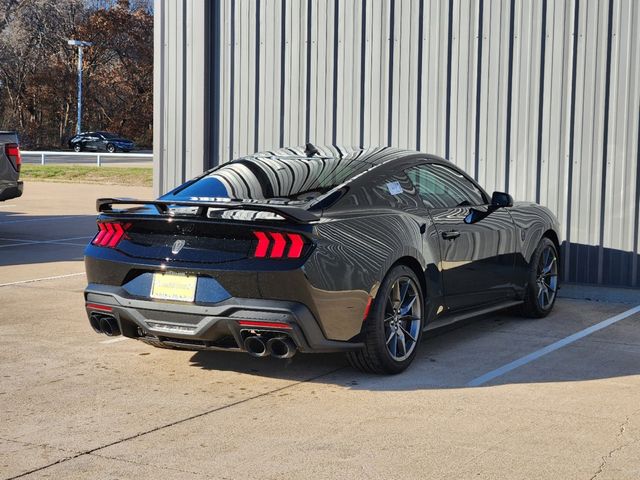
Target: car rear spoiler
294	214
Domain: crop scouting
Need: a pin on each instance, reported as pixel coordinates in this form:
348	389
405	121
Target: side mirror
501	199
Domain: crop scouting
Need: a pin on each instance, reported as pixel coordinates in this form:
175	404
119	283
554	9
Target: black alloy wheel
393	329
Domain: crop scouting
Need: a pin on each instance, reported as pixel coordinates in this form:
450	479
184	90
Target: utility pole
80	44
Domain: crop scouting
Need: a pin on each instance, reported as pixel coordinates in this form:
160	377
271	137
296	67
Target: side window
442	187
383	190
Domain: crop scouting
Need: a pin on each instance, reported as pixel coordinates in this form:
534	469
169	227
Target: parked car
318	250
10	162
100	141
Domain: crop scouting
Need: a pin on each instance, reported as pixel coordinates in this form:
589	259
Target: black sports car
318	250
96	141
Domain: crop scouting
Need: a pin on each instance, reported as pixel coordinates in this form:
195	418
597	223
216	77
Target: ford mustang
318	249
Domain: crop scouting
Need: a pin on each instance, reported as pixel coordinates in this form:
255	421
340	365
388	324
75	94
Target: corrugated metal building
540	98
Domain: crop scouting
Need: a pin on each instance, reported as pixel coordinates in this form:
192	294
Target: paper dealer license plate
171	286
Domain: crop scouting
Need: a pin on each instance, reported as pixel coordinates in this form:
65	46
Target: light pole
80	44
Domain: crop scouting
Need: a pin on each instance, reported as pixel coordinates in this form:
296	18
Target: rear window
272	178
9	137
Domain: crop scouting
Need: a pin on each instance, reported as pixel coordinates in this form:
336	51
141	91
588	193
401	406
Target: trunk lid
203	233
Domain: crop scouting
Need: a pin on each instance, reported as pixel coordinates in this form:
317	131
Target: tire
77	148
542	281
379	336
111	148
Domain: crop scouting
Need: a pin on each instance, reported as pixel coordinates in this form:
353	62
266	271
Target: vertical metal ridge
478	91
507	165
543	40
336	32
605	142
636	218
572	131
419	73
283	59
213	47
363	63
307	120
449	66
232	79
256	111
185	93
159	89
392	32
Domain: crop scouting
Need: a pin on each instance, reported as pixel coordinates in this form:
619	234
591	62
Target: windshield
288	178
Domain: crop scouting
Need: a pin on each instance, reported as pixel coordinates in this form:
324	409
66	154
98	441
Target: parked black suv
110	142
10	161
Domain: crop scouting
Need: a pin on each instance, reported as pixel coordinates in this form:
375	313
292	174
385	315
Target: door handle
450	235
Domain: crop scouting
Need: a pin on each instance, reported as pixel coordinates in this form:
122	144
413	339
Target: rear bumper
9	190
210	327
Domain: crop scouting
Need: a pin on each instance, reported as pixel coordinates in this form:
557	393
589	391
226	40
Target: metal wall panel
540	98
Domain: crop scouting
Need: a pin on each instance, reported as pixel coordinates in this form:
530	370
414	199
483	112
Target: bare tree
38	68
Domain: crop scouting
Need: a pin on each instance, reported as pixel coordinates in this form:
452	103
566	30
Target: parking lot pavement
74	404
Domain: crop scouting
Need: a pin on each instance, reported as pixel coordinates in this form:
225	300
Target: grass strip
134	176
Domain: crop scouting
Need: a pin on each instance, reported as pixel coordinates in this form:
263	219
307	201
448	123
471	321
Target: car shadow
451	358
33	239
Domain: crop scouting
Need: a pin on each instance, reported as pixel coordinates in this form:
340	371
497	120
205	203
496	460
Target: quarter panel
532	221
351	258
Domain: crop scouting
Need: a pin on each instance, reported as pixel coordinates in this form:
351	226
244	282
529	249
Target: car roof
9	136
372	155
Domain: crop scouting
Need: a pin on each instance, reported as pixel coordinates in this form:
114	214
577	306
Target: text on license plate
171	286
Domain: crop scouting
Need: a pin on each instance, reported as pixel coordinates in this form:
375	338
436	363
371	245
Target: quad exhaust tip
255	346
281	347
105	324
277	347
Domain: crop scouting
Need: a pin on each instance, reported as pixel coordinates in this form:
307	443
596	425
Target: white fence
100	156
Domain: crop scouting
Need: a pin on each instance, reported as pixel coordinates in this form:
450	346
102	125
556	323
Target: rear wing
294	214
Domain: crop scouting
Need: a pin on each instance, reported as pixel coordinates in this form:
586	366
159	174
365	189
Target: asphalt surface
74	404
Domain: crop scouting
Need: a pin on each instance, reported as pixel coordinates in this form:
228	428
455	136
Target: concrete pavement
74	404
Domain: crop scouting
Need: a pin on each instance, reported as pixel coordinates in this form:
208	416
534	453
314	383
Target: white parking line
114	340
7	206
58	241
498	372
39	219
41	279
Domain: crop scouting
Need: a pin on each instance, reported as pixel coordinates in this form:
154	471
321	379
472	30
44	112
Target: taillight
110	234
13	152
251	323
278	245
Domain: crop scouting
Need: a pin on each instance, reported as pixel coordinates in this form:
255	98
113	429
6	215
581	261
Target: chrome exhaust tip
281	347
255	346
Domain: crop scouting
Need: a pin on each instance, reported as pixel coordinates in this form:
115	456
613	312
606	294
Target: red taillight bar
263	245
13	152
249	323
278	245
110	234
95	306
297	244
